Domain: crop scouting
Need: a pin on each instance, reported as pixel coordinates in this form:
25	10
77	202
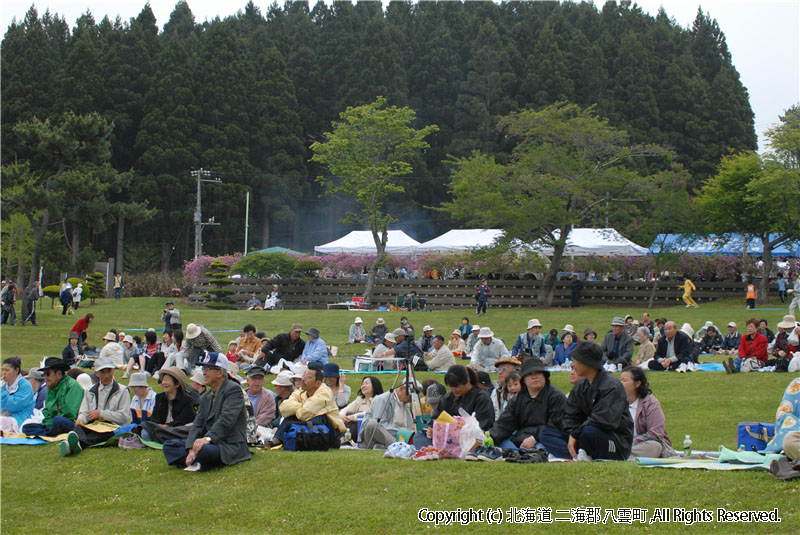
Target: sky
763	36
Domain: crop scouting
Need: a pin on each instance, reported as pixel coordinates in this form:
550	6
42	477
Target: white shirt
632	409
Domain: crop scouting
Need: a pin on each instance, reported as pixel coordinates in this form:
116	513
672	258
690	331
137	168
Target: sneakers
583	456
490	453
472	455
729	366
400	450
131	442
192	468
428	453
71	446
126	375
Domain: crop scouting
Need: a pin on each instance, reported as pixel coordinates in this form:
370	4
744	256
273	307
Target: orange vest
751	291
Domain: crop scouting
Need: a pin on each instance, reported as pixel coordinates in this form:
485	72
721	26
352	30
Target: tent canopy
460	240
279	250
596	241
731	244
361	242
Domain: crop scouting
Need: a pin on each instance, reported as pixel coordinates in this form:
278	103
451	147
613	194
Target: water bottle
687	445
488	441
348	435
619	367
741	447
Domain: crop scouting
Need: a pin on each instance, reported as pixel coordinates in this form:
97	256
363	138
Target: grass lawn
359	491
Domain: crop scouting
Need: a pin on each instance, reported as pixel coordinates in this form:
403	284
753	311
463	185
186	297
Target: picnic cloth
728	460
20	439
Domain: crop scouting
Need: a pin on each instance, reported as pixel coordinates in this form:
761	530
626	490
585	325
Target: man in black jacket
534	415
673	349
617	345
597	419
287	346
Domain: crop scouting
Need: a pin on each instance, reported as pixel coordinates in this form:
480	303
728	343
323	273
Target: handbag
754	435
305	436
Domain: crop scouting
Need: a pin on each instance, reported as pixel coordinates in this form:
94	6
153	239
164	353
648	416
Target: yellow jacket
687	286
303	407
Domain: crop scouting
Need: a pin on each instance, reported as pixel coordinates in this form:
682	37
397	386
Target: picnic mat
727	460
20	439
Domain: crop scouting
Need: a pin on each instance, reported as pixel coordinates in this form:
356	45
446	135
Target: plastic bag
471	433
446	438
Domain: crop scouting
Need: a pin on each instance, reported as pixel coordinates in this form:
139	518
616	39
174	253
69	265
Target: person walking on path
687	287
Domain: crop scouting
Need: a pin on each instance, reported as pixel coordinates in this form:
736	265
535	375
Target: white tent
361	242
596	241
460	240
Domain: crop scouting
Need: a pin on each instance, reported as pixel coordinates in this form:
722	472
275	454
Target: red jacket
80	326
757	348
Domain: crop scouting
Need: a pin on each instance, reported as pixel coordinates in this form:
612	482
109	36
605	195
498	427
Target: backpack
305	436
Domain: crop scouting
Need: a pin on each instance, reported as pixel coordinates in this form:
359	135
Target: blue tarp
729	244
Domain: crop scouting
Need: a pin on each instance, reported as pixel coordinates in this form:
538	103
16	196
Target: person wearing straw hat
537	406
357	333
107	401
63	402
617	345
198	341
218	435
597	418
488	351
531	343
457	345
378	331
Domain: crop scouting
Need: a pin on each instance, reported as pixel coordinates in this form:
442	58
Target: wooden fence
448	294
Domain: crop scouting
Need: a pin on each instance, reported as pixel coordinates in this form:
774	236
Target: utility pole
198	212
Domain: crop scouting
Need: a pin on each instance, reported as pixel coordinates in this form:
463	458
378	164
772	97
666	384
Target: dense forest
247	95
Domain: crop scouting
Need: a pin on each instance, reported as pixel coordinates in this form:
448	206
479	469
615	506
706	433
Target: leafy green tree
368	151
566	165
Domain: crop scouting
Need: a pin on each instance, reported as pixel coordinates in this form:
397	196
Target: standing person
597	418
8	297
218	435
781	284
171	317
482	294
687	287
750	295
65	297
32	294
795	291
576	287
77	295
81	326
118	283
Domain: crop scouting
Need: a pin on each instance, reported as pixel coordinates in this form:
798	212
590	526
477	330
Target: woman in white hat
357	333
783	350
457	345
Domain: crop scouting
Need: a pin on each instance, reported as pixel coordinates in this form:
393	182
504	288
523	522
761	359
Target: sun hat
380	321
476	328
456	332
486	332
532	366
198	377
390	337
111	337
138	379
128	338
233	370
297	328
283	379
617	322
85	381
179	376
313	331
427	328
534	323
193	331
789	322
568	328
358	320
299	372
686	329
399	332
75	335
508	360
217	360
104	363
587	331
330	369
588	354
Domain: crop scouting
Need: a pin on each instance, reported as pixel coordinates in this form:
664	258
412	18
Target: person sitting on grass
336	382
112	349
442	357
486	352
231	354
357	333
782	349
530	343
534	415
514	386
254	303
72	352
378	331
16	397
673	349
766	331
64	397
425	342
650	437
370	388
457	345
175	407
473	339
107	401
730	345
597	418
752	350
589	335
131	354
218	435
283	387
617	345
564	349
389	413
712	341
313	403
315	351
646	347
36	379
144	398
500	394
262	399
248	347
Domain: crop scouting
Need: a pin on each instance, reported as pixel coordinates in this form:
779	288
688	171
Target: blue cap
331	369
218	360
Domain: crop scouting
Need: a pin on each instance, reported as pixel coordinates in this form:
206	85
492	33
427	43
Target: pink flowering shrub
194	269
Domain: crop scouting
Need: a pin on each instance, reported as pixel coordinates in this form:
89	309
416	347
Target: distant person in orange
751	295
687	287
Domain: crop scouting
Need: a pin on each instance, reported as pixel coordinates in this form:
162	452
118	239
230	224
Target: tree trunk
165	254
380	247
653	293
545	297
296	231
264	222
76	237
763	288
36	255
120	265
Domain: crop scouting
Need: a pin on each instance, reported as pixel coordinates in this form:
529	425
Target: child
513	386
751	296
231	354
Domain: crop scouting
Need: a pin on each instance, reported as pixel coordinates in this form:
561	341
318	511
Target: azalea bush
194	269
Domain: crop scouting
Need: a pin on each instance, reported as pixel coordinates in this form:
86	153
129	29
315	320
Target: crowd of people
207	414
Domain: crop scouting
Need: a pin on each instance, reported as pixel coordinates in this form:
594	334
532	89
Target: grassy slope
354	492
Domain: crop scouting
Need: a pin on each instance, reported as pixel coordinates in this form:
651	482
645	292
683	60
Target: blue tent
728	244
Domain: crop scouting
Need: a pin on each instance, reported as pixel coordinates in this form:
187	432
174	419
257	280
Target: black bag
305	436
782	364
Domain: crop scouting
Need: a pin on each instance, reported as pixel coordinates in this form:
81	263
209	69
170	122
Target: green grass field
111	490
